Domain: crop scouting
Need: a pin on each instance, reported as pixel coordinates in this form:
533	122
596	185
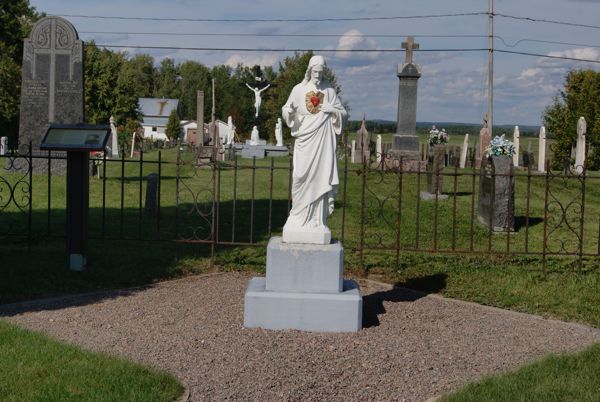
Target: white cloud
252	60
530	73
354	39
580	53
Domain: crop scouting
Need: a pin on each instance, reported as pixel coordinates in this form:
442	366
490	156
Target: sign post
78	140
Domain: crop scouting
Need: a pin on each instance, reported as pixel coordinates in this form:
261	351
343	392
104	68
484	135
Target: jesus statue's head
316	70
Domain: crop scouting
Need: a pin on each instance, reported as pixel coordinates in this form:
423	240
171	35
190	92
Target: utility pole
212	128
490	111
212	118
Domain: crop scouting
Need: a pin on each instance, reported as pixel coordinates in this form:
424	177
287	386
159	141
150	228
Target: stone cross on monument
405	143
409	45
52	79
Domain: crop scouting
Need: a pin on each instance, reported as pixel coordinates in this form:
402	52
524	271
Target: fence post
362	220
545	246
30	213
581	218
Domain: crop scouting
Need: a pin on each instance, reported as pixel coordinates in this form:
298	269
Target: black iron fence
189	195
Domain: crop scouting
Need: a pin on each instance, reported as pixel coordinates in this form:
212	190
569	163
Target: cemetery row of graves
174	195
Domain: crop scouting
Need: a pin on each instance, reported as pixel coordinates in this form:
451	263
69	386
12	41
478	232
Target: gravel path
413	347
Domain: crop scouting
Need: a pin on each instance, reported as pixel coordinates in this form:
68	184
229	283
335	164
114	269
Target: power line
338	50
280	50
244	34
573	24
547	56
118	17
543	41
278	35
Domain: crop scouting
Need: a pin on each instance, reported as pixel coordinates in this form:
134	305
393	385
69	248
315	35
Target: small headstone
580	147
379	148
114	139
435	168
542	150
496	206
516	142
485	138
528	160
463	152
151	194
362	152
52	79
3	145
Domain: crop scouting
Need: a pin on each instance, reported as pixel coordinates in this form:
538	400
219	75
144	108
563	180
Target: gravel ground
413	347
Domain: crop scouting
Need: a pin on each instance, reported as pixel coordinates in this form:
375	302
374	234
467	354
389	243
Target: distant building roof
157	107
155	121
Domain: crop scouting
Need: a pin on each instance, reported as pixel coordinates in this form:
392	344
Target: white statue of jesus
315	114
279	132
257	98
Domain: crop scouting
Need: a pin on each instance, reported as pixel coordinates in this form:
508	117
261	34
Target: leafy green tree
194	77
166	80
109	89
16	19
139	70
580	97
173	127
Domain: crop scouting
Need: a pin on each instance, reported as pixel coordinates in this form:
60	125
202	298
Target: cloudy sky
454	80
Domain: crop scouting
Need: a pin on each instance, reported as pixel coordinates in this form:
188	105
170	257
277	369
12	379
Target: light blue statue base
318	312
304	290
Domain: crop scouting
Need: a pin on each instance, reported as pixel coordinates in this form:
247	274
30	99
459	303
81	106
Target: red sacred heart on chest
315	100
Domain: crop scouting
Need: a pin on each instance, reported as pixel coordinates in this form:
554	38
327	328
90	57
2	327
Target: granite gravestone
435	168
405	143
496	206
542	150
3	145
361	152
485	137
463	152
517	144
150	206
52	79
114	139
580	147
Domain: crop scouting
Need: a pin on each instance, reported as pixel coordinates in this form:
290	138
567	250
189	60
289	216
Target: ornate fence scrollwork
564	214
196	194
15	192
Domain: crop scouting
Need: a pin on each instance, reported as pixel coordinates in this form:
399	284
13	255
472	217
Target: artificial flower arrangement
500	146
438	137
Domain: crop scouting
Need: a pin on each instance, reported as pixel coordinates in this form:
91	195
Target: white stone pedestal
303	289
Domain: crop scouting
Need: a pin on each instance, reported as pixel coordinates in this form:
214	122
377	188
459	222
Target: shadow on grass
521	221
402	292
127	248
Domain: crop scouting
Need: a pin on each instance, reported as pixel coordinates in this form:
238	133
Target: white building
155	115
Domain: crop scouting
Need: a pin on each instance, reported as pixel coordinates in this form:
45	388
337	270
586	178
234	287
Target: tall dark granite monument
405	143
52	79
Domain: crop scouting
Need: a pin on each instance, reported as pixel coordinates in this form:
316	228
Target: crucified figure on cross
410	45
257	98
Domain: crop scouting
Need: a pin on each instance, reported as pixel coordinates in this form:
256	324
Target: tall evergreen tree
173	126
580	97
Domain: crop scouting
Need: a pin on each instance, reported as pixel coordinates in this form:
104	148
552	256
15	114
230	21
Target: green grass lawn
34	367
574	377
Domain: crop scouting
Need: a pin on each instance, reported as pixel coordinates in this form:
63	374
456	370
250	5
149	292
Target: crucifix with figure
410	45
